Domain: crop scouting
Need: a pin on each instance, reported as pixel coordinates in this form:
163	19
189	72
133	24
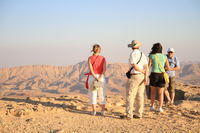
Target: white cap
170	50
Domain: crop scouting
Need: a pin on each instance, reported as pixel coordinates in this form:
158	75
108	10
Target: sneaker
103	113
160	110
152	108
94	113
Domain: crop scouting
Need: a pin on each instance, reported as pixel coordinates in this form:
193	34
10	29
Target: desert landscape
41	80
44	50
53	99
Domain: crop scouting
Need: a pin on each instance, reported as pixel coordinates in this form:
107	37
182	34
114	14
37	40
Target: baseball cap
171	50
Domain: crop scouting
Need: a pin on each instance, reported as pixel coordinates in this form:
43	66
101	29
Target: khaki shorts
172	85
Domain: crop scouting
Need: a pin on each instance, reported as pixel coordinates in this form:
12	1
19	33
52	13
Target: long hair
95	48
157	48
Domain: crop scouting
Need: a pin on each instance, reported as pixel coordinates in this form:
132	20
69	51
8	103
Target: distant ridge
41	79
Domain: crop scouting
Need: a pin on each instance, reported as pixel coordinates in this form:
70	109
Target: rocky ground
71	113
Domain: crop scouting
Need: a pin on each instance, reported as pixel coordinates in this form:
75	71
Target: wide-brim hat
133	43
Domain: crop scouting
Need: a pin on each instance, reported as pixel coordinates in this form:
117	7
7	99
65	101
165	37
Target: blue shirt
173	62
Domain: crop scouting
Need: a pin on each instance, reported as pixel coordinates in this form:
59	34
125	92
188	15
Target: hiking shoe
152	108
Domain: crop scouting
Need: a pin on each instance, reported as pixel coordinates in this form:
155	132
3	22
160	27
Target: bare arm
176	68
167	66
104	67
146	74
150	63
104	70
91	68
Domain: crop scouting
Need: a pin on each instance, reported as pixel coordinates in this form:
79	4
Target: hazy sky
62	32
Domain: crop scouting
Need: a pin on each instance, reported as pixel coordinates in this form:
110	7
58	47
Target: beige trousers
135	95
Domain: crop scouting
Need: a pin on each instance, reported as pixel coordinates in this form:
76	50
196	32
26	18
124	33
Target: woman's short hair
95	48
157	48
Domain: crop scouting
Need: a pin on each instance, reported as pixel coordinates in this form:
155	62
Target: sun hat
133	43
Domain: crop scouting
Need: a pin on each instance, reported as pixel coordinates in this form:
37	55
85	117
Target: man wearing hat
175	65
136	84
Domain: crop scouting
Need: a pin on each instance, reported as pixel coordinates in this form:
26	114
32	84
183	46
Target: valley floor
72	114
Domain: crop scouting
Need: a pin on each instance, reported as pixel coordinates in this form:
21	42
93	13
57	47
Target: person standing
97	67
157	80
175	65
136	84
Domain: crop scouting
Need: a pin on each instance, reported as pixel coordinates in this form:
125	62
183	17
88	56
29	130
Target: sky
62	32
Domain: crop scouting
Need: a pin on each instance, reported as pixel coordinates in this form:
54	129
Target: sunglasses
170	52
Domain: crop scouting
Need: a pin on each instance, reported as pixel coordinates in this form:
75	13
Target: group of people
158	65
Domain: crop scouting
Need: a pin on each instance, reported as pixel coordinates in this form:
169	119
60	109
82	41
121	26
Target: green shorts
172	85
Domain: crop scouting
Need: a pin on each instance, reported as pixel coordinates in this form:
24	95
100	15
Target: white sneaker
152	108
160	110
94	113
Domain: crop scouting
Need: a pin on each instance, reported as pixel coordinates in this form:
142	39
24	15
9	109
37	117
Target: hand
146	81
97	79
100	77
171	69
143	71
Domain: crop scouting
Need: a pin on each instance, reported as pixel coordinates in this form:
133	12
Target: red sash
86	83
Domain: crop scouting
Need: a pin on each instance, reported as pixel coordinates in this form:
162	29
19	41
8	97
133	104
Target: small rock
179	113
28	98
19	112
9	106
35	108
76	96
56	131
64	96
29	120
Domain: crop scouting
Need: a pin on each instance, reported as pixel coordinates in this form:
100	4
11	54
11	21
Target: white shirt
135	57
